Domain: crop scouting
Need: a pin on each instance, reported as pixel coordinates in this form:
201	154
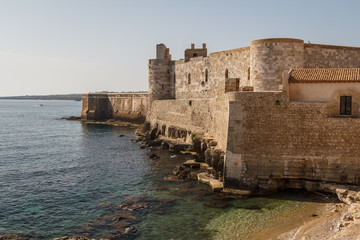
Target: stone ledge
216	185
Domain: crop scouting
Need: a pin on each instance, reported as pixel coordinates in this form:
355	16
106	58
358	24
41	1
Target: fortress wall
119	106
273	143
329	56
270	58
198	87
199	116
179	113
220	122
261	65
235	61
95	107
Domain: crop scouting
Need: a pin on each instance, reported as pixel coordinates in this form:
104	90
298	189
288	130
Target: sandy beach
336	221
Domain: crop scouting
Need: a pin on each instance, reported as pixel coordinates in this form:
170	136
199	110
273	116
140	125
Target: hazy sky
78	46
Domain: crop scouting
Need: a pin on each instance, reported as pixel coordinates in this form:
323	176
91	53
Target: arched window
189	78
226	73
206	75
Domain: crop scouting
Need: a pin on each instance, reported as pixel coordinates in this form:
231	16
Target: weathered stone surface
191	164
12	237
215	184
268	143
182	172
130	107
178	147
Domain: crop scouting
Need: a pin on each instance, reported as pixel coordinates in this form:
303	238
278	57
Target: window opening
226	73
345	105
189	78
206	75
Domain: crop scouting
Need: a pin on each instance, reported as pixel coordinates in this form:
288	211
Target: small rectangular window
345	105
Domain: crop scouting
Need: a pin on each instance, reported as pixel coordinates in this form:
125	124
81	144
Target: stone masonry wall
194	116
159	80
236	62
270	58
119	106
273	143
328	56
261	65
201	116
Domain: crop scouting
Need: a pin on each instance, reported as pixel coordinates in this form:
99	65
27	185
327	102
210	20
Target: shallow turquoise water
53	173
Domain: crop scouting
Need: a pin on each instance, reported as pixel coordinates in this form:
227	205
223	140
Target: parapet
195	52
276	40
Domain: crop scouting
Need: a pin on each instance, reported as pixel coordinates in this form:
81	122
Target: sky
79	46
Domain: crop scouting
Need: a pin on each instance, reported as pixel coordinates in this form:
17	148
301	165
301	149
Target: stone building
282	112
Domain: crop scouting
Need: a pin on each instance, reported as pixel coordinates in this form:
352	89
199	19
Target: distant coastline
74	97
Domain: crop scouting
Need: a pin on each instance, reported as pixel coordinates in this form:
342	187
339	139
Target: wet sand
293	225
335	221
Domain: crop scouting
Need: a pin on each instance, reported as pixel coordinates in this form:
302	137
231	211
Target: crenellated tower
159	75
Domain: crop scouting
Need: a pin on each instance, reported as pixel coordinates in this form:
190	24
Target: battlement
195	52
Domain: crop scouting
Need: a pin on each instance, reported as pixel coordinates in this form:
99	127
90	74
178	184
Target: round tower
269	58
159	75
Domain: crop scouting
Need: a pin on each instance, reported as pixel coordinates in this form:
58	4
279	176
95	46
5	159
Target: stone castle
280	113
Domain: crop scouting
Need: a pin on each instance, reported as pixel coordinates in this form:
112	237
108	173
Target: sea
58	177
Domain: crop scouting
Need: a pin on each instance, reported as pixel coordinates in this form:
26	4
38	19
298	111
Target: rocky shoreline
208	159
337	221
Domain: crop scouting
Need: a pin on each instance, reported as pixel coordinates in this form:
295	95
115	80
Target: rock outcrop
208	159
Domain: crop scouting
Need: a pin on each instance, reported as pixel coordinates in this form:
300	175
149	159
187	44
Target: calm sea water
54	173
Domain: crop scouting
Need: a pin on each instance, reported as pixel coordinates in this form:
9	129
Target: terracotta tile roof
328	75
